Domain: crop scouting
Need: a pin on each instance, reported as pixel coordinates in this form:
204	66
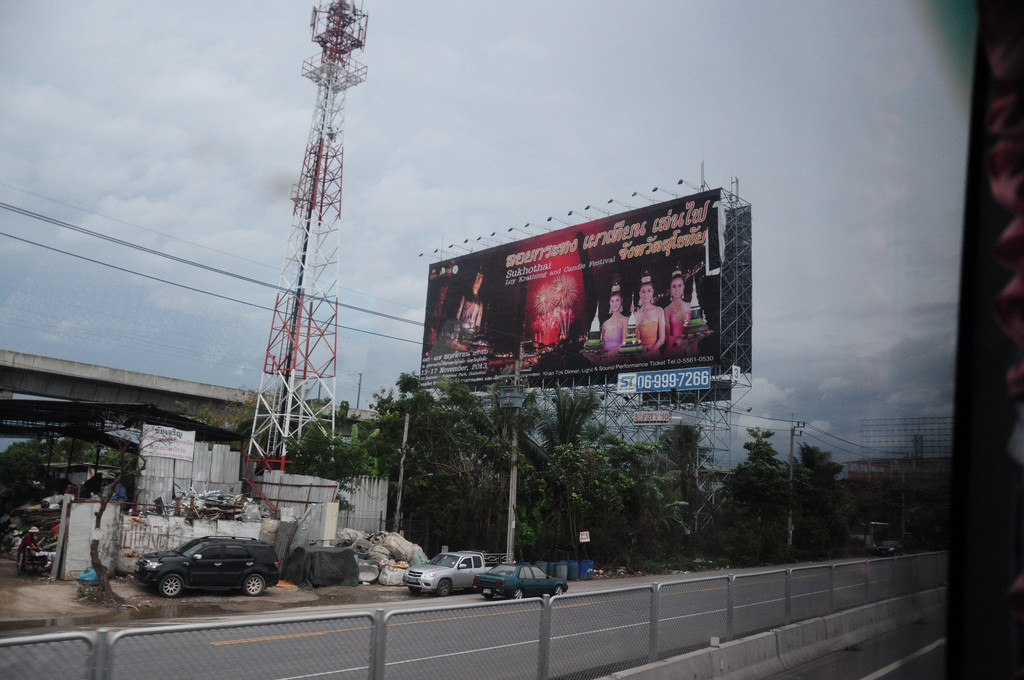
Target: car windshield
444	560
190	548
503	570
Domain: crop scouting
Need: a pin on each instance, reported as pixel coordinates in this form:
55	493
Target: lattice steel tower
298	383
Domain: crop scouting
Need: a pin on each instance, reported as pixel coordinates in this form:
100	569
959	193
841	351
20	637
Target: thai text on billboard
167	442
635	291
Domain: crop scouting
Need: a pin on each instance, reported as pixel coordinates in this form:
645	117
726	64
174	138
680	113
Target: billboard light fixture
557	219
683	181
670	193
601	210
624	205
637	193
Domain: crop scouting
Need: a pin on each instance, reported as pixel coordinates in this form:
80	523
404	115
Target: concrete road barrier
764	654
757	656
802	642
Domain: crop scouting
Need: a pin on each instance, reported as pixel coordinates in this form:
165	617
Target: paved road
597	627
914	652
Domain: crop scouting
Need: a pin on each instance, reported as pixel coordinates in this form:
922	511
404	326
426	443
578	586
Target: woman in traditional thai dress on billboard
613	330
677	313
650	319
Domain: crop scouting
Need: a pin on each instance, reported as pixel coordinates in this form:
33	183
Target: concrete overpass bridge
41	376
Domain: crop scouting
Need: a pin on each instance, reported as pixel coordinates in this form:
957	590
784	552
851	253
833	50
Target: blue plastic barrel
586	570
574	570
561	570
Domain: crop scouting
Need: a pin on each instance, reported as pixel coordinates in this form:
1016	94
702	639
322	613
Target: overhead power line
181	285
172	237
175	258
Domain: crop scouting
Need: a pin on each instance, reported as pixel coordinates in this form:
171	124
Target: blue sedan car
518	581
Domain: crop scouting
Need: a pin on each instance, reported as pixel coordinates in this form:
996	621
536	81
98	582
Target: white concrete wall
150	533
81	523
124	537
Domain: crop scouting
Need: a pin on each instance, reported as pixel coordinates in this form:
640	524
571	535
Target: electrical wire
175	258
183	240
190	288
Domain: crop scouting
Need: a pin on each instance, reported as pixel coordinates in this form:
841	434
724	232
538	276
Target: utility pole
793	434
511	397
401	474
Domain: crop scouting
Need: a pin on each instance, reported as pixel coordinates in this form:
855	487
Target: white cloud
189	121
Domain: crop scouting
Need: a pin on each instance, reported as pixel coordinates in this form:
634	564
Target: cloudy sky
181	127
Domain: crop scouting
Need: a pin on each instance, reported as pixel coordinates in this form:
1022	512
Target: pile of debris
211	505
217	505
381	556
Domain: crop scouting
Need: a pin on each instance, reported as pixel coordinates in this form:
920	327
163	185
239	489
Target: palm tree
572	412
813	458
678	459
565	423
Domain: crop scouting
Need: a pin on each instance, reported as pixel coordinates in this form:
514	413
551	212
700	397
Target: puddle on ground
113	616
183	609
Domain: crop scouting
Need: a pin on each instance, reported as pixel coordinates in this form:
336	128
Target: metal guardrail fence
574	636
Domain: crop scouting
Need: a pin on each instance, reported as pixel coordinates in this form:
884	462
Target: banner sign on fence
651	417
167	442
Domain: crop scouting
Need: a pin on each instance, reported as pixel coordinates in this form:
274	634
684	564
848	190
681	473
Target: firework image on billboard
635	291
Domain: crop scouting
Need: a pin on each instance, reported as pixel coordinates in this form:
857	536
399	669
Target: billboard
636	291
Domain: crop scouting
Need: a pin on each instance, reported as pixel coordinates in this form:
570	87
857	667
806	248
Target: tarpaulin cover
315	567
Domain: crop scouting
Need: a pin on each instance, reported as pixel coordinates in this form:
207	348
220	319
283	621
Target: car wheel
254	585
444	588
518	594
171	585
558	590
415	590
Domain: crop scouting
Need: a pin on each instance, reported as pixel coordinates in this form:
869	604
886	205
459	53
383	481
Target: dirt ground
32	604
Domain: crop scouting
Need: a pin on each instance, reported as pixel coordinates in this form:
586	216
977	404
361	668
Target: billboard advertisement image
636	291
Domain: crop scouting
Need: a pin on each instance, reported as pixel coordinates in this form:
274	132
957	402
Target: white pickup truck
446	572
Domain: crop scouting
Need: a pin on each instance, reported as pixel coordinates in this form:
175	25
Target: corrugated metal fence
214	467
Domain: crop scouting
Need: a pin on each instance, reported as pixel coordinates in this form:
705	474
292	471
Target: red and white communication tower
297	387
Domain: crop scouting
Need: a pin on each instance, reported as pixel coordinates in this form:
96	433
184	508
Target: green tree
758	492
321	454
454	471
567	420
21	462
677	459
822	514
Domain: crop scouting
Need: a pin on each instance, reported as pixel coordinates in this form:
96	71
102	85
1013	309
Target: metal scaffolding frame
907	437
